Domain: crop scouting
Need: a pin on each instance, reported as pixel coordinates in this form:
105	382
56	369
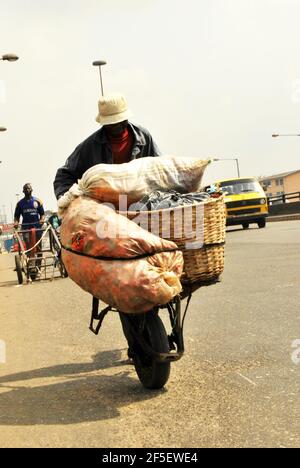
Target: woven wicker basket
198	230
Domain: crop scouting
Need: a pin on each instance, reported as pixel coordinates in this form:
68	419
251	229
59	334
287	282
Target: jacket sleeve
154	150
151	148
68	174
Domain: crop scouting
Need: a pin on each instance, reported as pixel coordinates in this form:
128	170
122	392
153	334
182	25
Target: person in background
118	141
33	217
1	232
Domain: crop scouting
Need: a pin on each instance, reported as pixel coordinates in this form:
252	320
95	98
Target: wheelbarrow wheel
151	373
19	269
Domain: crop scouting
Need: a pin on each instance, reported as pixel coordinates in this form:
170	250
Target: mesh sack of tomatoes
117	261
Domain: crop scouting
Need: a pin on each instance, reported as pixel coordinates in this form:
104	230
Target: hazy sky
206	77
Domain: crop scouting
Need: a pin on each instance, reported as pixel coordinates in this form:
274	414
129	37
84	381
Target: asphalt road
236	386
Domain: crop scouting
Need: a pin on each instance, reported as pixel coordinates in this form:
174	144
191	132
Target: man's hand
42	222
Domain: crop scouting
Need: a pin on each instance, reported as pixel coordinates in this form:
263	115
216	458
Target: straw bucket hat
112	109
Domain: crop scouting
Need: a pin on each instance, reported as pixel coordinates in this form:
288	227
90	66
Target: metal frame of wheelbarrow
176	340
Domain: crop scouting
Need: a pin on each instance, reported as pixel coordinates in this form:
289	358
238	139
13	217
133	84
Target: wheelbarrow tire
19	269
153	374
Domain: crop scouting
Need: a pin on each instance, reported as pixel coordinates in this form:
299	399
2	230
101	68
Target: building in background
279	184
6	237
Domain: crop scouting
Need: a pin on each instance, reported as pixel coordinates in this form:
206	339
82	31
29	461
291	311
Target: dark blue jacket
31	210
96	149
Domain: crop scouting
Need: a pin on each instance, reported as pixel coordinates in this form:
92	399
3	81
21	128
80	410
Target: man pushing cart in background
33	217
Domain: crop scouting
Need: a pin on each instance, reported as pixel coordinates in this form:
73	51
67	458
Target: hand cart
39	254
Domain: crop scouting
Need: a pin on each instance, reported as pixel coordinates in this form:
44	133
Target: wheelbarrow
150	347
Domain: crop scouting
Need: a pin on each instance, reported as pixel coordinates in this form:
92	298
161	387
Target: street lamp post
9	57
2	129
100	63
275	135
230	159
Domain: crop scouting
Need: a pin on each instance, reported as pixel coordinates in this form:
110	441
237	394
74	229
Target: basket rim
176	208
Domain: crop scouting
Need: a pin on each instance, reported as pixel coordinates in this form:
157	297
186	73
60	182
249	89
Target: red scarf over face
121	147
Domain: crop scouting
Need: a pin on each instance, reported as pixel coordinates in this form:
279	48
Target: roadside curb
291	217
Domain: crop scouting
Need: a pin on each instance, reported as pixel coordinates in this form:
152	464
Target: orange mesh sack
117	261
134	180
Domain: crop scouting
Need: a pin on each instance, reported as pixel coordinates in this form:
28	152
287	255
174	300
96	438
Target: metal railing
284	198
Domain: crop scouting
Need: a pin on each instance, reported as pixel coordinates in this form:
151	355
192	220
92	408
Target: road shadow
102	360
12	283
83	394
7	284
242	229
234	230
